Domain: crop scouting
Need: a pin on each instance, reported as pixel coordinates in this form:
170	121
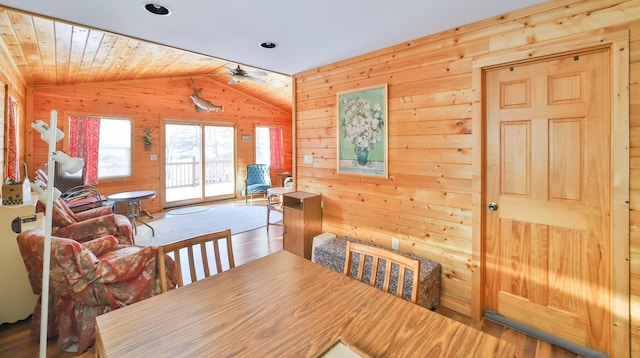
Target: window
114	150
269	147
104	144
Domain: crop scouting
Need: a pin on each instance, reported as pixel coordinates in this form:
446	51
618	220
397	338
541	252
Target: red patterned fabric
112	224
13	155
89	224
87	280
275	142
84	141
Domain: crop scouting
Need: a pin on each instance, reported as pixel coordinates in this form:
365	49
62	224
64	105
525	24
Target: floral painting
362	131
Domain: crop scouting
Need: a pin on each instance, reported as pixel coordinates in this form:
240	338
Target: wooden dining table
282	305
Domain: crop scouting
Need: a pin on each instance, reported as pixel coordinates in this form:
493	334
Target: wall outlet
394	243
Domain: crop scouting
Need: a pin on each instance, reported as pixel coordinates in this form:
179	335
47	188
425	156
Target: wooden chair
369	257
197	256
273	207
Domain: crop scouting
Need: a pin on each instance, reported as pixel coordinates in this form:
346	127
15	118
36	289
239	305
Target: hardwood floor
16	340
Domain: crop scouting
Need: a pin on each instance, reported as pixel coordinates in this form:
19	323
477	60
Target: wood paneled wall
147	103
427	200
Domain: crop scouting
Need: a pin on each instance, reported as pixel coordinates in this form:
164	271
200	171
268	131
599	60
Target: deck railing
185	174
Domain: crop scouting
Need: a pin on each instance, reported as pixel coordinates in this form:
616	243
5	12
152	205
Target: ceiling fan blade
256	73
254	79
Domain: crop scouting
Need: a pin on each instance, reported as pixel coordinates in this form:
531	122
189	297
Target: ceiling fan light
237	78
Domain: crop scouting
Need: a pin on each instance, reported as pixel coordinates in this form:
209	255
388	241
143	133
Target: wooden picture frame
362	138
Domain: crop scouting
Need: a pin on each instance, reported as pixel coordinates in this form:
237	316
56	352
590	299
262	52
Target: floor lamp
47	194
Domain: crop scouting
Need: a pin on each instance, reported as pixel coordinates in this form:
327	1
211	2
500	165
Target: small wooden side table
282	176
302	219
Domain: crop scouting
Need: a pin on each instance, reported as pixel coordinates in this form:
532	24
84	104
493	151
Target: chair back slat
400	282
374	270
205	258
387	279
176	248
216	250
370	257
178	271
192	263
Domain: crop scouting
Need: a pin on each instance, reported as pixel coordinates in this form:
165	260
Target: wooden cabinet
16	297
302	218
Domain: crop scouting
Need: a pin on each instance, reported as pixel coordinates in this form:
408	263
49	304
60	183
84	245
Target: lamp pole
44	300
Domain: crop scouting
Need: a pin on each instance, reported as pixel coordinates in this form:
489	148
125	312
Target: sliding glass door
199	162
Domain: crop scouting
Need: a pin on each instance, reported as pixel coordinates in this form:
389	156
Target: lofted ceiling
70	41
47	51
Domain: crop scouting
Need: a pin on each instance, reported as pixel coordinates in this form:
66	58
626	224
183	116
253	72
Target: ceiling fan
238	75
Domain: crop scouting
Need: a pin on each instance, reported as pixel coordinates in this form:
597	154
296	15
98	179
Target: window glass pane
263	148
114	153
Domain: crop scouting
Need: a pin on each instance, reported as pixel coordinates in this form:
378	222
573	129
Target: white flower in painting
362	124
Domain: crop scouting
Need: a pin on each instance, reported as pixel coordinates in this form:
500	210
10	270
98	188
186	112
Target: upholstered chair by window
258	180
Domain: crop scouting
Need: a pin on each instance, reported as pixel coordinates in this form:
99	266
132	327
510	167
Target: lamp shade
69	164
41	188
43	128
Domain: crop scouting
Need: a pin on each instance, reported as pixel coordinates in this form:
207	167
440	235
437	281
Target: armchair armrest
92	213
90	229
102	245
127	263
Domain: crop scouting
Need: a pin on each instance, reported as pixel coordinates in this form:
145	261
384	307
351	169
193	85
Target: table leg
137	217
131	214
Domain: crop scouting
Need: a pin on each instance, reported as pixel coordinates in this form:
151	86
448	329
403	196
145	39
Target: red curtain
275	142
13	157
84	141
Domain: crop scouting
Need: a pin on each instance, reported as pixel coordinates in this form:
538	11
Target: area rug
188	210
216	218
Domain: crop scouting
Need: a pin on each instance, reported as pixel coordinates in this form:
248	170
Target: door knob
493	206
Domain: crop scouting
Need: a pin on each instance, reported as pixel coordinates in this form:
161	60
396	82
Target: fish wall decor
202	104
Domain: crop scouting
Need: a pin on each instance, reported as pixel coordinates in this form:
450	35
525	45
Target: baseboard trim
544	336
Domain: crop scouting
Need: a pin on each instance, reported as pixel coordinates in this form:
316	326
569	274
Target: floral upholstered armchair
86	280
89	224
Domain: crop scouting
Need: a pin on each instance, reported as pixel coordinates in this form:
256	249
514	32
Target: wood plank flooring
16	340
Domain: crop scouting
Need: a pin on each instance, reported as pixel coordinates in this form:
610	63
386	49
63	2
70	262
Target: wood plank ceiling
49	51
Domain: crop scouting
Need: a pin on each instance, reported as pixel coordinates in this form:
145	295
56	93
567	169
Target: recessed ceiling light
157	9
268	45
